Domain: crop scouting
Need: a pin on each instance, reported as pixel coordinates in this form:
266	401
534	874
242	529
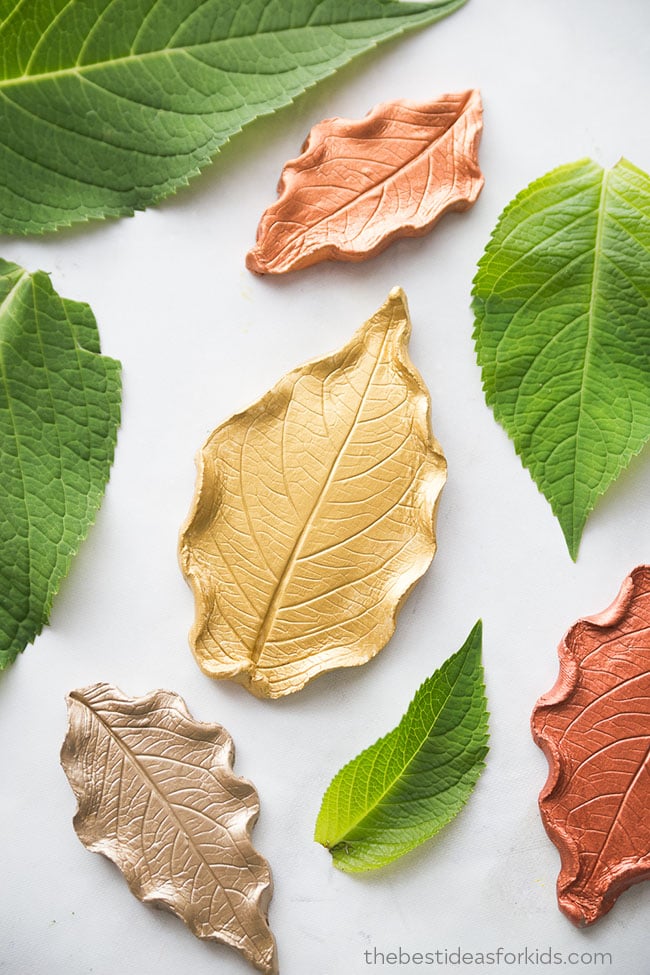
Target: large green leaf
107	106
562	304
407	786
59	413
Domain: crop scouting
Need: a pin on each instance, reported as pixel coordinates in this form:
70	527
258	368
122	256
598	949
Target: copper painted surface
314	515
158	797
360	184
594	727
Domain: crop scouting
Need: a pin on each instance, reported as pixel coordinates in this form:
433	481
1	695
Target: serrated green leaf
407	786
59	413
562	306
107	106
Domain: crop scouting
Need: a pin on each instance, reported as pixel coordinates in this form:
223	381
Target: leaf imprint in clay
594	727
360	184
314	515
157	795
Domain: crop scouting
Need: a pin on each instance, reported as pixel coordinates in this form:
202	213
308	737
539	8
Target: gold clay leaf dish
360	184
157	795
314	515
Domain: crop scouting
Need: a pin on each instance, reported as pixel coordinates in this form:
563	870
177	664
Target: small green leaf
562	306
407	786
59	413
106	108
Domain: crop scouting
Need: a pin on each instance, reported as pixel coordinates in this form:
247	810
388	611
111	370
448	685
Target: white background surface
200	338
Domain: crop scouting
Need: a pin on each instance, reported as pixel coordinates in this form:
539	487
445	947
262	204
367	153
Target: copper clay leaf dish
594	727
359	185
158	797
314	515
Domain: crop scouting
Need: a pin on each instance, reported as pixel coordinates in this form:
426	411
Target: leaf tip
571	526
397	298
255	262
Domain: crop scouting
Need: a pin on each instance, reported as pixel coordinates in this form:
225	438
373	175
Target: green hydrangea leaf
407	786
59	413
107	106
562	308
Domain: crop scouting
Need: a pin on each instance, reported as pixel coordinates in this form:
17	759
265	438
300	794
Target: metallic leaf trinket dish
314	515
157	795
360	184
594	727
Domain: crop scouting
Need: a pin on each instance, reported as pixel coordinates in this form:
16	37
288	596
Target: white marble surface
199	338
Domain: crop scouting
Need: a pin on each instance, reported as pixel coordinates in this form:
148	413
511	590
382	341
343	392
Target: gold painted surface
157	795
314	515
360	184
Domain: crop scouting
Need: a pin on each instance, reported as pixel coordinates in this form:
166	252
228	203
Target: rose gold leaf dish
158	797
313	515
594	727
358	185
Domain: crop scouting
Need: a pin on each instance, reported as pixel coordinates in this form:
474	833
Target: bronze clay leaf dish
594	727
360	184
314	514
158	797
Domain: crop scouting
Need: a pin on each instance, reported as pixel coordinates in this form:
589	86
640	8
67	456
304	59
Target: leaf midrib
617	817
6	304
10	297
271	612
403	770
77	69
593	297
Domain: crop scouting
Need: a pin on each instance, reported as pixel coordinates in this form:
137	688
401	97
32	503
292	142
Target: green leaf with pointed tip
562	307
407	786
107	106
59	413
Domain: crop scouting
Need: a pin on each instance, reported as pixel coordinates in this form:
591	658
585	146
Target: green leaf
407	786
562	305
107	106
59	413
